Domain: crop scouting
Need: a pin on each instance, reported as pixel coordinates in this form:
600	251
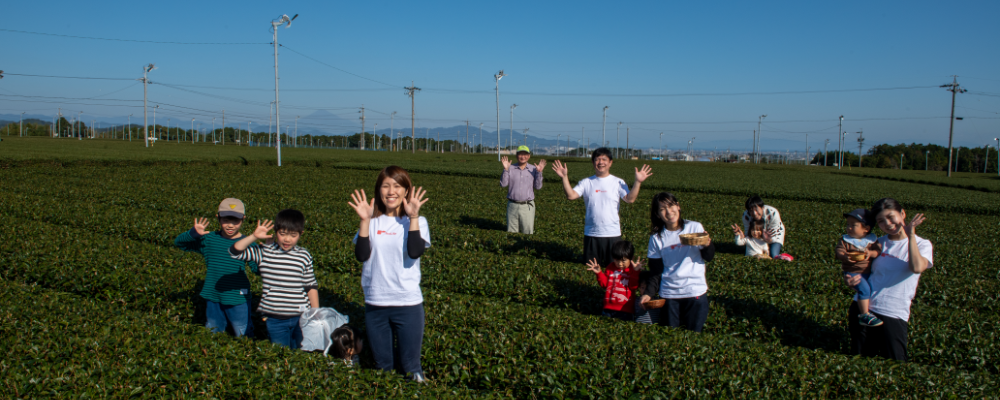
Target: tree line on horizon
917	156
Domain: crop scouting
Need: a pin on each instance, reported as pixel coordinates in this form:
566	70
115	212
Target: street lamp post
511	140
998	155
145	84
497	77
277	109
840	142
661	146
154	123
192	131
618	136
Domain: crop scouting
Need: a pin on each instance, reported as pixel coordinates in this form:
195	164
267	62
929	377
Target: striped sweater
225	278
287	277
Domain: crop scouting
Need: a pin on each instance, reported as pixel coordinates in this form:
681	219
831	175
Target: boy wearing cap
859	239
226	290
521	181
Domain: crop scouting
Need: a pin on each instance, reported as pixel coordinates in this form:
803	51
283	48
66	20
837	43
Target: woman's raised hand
593	266
263	227
412	203
737	231
915	222
560	169
201	226
768	235
361	205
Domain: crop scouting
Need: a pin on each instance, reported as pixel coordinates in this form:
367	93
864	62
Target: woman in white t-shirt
895	274
390	240
676	271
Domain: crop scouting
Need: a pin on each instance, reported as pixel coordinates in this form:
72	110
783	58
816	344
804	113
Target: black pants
690	313
402	325
599	248
887	340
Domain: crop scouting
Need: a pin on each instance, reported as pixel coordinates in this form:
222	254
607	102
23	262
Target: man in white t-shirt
602	194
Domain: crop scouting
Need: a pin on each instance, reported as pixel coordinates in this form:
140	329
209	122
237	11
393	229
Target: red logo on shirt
384	233
600	191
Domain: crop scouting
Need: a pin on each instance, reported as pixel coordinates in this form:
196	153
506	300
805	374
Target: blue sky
554	52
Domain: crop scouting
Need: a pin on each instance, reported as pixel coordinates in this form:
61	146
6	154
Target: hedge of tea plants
97	301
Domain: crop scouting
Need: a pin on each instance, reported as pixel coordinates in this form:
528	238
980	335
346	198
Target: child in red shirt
620	280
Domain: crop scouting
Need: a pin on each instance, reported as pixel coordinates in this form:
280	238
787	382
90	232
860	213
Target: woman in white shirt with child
894	278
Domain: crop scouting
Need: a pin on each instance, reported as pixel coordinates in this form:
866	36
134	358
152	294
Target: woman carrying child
756	209
390	240
894	278
756	239
619	281
676	271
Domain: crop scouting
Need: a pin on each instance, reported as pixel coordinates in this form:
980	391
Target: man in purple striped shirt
521	181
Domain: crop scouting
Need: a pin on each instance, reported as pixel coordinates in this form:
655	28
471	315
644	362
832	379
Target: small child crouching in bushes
757	240
620	280
346	344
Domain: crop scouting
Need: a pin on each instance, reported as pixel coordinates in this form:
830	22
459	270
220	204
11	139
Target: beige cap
231	208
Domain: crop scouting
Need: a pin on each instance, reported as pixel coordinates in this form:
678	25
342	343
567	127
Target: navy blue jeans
402	326
237	317
863	288
690	313
284	331
775	249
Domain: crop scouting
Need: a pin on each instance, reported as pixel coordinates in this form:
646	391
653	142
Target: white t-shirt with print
390	277
602	196
683	268
893	284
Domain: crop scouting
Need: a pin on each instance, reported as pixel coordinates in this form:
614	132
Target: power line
123	40
71	77
338	69
689	94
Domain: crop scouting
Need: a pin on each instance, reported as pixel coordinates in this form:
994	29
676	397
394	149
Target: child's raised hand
412	203
361	205
737	231
593	266
637	264
263	227
201	226
915	222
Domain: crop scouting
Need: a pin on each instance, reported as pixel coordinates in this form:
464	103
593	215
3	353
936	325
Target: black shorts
599	248
887	340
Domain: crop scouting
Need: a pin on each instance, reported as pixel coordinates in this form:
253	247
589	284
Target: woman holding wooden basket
678	251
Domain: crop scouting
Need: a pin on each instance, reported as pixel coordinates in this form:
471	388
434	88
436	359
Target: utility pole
604	125
145	84
362	144
824	151
410	91
759	120
297	129
20	126
618	137
557	144
954	88
154	123
192	130
525	136
861	142
661	146
840	143
277	106
466	148
223	127
392	122
628	148
481	138
805	160
511	140
497	77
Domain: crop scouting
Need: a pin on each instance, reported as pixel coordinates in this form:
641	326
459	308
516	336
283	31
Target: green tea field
95	301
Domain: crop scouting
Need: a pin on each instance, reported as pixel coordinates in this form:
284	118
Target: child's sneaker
869	320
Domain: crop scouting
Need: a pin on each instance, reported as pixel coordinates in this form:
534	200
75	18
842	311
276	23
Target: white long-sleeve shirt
754	246
772	222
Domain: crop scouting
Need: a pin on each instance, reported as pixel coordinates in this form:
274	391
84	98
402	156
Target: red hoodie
619	286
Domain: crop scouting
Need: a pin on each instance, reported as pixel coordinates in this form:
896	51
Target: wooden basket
856	255
654	304
695	239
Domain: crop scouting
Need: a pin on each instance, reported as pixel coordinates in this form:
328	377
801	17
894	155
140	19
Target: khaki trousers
521	217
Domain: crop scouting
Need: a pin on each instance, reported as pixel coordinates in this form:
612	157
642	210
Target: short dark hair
346	338
754	201
601	151
887	203
623	250
290	220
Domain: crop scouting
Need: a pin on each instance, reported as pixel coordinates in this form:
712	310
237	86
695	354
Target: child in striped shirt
286	269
